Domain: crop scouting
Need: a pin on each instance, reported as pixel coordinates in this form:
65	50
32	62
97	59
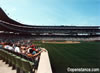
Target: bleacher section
18	61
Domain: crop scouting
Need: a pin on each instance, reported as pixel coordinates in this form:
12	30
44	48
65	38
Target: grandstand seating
16	61
13	28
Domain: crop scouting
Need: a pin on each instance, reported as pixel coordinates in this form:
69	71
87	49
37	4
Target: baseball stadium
48	49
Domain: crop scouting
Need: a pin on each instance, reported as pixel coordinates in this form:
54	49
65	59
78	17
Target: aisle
4	68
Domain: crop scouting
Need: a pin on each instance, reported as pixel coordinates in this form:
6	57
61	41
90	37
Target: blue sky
53	12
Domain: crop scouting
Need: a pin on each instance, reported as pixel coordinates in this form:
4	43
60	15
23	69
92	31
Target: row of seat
18	61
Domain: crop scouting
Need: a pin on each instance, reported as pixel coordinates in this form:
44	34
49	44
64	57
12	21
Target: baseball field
79	55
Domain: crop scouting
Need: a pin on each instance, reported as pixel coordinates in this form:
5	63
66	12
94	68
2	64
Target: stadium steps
4	68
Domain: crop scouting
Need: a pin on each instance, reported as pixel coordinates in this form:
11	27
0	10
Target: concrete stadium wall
44	64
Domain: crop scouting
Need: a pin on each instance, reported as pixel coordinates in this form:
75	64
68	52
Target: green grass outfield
82	55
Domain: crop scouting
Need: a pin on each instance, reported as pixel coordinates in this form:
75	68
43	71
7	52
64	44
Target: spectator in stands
33	53
1	44
11	47
23	49
8	46
17	48
33	47
28	49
